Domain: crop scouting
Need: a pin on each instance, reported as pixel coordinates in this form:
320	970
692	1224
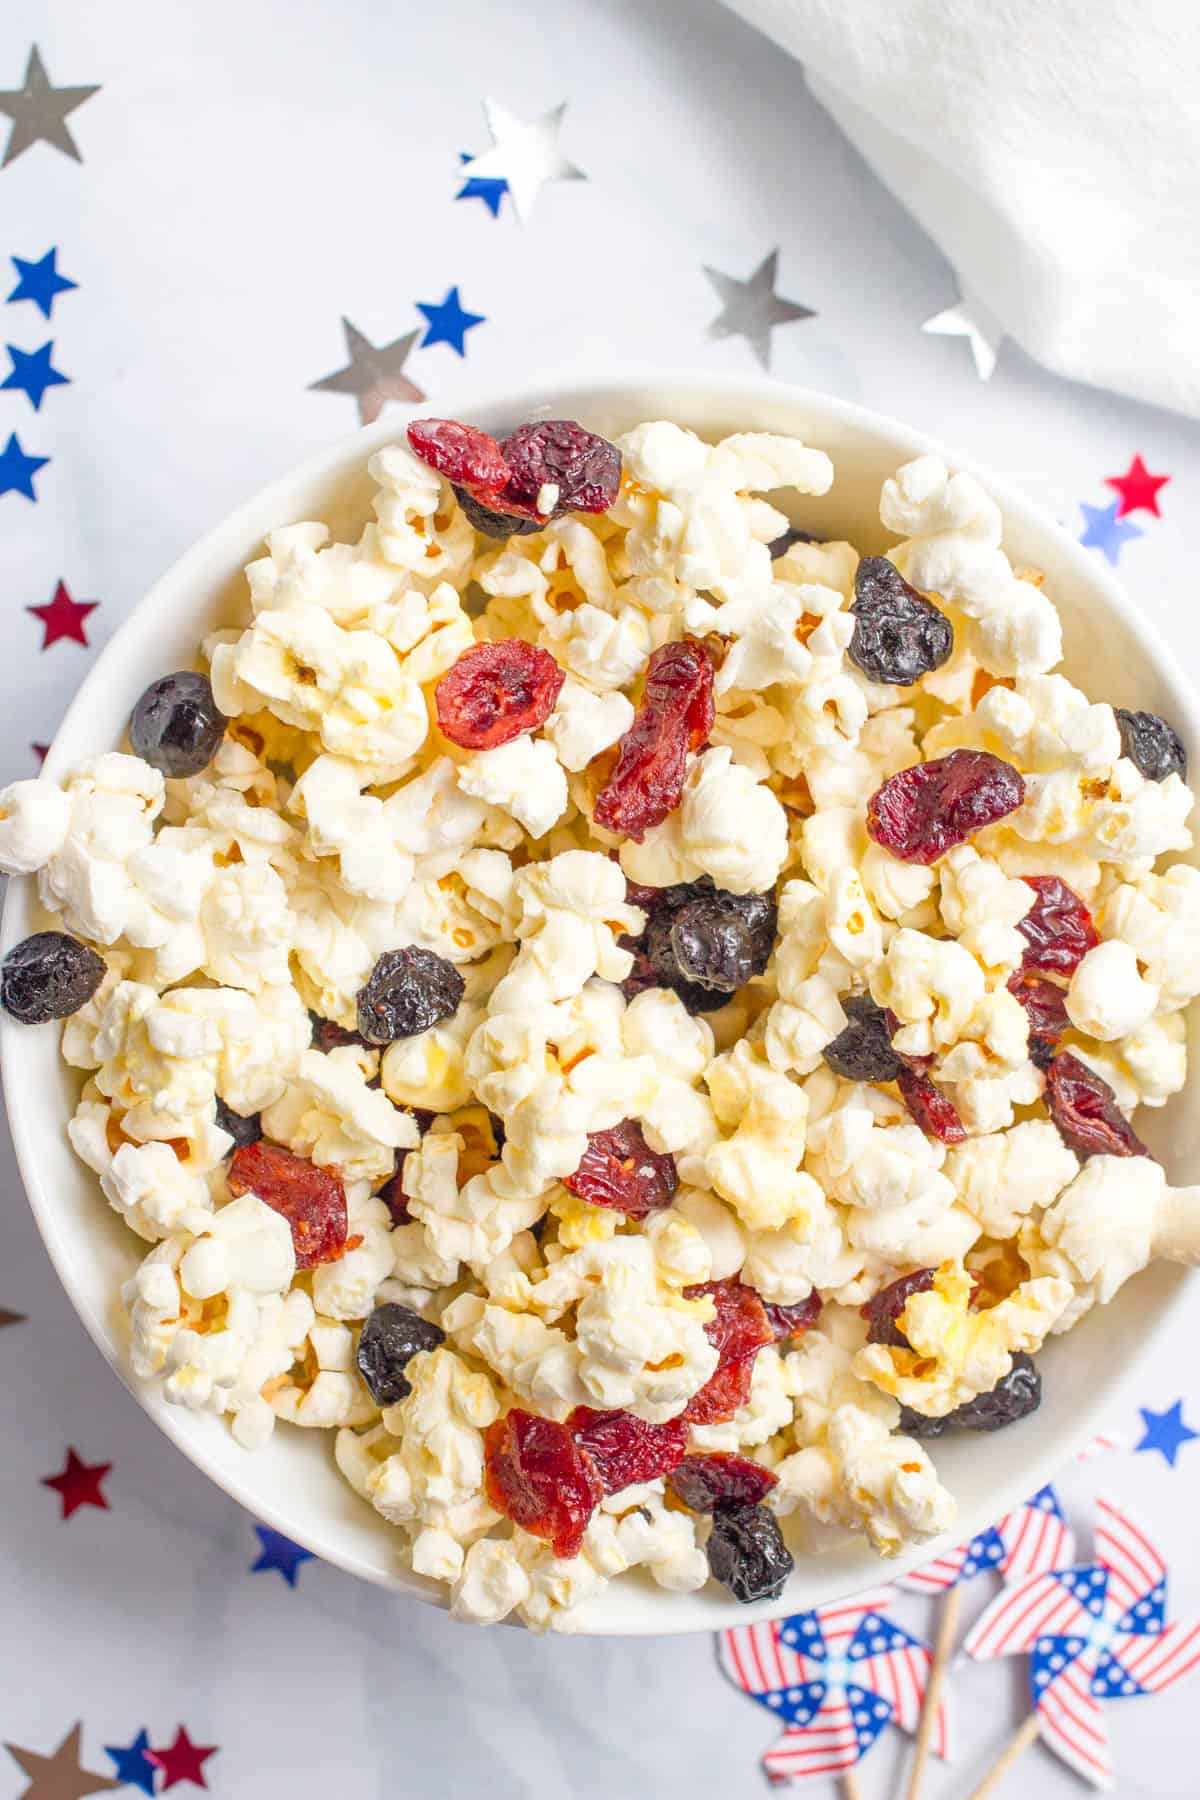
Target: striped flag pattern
1033	1538
1093	1633
835	1678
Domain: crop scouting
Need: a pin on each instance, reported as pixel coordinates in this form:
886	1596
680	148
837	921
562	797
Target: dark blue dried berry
409	990
781	545
747	1554
243	1128
48	976
494	524
898	634
862	1051
176	726
700	941
326	1035
1014	1397
1152	746
389	1340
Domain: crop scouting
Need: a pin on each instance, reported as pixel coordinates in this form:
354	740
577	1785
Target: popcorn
1108	997
757	1169
322	1390
523	778
332	1116
1007	1176
727	826
147	1184
983	907
35	817
932	985
863	1478
584	722
1158	917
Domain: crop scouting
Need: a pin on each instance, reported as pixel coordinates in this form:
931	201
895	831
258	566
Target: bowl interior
293	1484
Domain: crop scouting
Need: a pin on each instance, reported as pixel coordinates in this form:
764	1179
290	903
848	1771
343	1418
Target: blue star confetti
1165	1432
279	1552
18	470
40	282
33	372
132	1764
1105	532
490	189
449	322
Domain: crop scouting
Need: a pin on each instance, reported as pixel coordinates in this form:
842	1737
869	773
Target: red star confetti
182	1760
41	751
78	1484
60	1776
63	617
1138	489
10	1318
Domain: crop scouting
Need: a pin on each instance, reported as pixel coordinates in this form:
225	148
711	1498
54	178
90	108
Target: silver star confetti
978	324
526	155
39	112
374	373
750	309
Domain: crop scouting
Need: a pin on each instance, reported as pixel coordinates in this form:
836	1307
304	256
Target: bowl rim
338	457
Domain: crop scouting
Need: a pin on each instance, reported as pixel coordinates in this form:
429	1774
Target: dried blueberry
701	942
1152	746
48	976
747	1554
409	990
863	1050
177	725
1014	1397
495	524
243	1128
712	1483
898	634
389	1340
915	1424
793	535
326	1035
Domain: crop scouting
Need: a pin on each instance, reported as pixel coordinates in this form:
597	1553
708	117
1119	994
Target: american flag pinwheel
1030	1540
1093	1633
835	1678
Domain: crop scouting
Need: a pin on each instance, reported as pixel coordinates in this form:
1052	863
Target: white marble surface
251	172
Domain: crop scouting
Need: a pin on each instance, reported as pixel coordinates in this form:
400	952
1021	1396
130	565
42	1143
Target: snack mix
624	1013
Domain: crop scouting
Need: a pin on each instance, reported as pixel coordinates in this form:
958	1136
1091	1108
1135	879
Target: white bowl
293	1484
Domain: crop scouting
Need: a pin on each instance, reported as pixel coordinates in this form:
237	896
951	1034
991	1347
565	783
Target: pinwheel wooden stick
943	1650
1026	1735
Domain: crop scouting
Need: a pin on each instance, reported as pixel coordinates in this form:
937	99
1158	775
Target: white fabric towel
1052	150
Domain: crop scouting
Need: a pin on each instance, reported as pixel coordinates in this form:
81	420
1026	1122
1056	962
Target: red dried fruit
620	1170
626	1449
585	468
311	1199
1046	1005
722	1394
464	455
675	716
705	1484
739	1329
932	1110
1085	1109
497	692
924	811
536	1475
793	1321
1058	928
884	1308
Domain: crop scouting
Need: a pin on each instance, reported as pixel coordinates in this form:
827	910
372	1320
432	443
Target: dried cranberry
727	936
48	976
392	1192
620	1170
1152	745
924	811
747	1554
706	1484
724	1393
243	1128
389	1340
537	1476
898	634
312	1200
1085	1109
408	991
626	1449
932	1110
1057	928
1046	1005
463	454
326	1035
794	1320
675	716
884	1308
863	1050
739	1329
585	468
497	692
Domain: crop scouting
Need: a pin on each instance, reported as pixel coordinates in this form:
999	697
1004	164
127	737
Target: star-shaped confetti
1104	531
61	1776
449	322
63	618
10	1318
279	1552
525	153
477	187
751	309
975	321
40	282
133	1762
78	1484
374	374
41	751
182	1760
1138	489
33	372
18	470
39	112
1165	1432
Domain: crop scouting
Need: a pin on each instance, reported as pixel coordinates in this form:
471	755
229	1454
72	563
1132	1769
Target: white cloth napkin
1052	150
